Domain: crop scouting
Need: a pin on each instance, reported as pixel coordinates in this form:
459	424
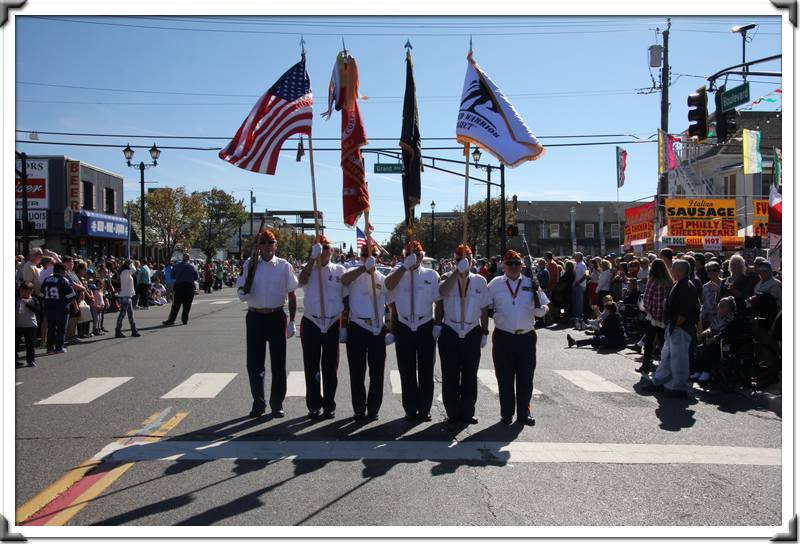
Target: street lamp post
476	156
154	154
433	226
742	29
23	175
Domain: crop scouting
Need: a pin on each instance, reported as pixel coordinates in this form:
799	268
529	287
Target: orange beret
463	249
413	247
512	255
267	234
324	240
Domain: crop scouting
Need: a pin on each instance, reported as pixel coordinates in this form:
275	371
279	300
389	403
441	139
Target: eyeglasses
326	247
266	242
513	263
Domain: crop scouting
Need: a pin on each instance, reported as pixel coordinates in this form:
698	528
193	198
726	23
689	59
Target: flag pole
466	189
368	237
316	224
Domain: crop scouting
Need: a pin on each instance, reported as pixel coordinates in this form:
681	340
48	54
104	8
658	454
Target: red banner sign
639	223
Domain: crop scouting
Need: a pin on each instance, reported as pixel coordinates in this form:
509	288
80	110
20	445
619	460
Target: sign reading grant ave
388	168
735	97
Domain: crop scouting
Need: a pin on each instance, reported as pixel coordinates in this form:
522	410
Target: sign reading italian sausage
701	217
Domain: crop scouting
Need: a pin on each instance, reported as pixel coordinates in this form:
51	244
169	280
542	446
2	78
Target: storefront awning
101	225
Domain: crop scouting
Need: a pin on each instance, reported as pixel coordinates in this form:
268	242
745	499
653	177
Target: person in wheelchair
611	334
728	328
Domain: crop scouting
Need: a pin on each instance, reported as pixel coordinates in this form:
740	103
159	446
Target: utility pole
502	210
23	174
251	213
663	182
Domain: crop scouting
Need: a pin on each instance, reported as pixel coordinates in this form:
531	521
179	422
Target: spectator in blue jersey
169	279
58	297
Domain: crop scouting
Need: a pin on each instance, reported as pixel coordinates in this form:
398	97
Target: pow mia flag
486	118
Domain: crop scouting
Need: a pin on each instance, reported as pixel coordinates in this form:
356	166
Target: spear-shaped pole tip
302	45
408	46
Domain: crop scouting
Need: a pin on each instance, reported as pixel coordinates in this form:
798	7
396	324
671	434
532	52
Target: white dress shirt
426	292
362	311
477	297
604	283
513	304
580	270
273	281
334	296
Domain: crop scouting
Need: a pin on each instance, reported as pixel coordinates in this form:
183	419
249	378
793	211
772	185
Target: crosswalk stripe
296	384
589	381
85	391
487	378
394	379
222	302
417	450
202	385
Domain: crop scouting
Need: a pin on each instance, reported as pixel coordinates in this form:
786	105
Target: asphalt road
595	457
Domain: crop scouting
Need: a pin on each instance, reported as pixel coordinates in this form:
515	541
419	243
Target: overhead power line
444	148
161	136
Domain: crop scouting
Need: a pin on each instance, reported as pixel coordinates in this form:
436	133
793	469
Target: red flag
775	211
355	196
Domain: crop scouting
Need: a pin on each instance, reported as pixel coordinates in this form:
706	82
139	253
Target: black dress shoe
168	323
527	420
358	417
135	334
372	417
651	388
570	341
645	368
470	420
328	415
256	413
410	417
313	415
425	417
505	420
278	413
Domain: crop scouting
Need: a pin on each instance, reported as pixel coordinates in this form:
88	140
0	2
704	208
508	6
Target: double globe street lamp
154	154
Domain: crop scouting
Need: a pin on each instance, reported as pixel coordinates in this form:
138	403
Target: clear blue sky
565	75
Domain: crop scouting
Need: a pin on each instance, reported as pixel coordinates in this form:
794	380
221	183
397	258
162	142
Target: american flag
284	110
361	241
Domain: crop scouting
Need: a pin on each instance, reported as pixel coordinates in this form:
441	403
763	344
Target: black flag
409	142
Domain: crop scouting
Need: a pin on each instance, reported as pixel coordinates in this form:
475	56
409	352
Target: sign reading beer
74	185
760	217
639	224
701	216
37	184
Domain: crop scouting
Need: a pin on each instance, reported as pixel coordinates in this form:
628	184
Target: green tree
175	217
223	216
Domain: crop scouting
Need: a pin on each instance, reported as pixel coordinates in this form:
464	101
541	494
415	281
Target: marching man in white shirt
265	291
319	328
366	334
414	291
465	331
517	302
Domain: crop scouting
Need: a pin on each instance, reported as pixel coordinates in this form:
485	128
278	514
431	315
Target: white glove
290	329
484	340
437	331
342	335
463	265
316	251
369	264
410	261
389	339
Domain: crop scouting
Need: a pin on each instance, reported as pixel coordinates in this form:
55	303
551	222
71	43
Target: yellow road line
105	482
51	492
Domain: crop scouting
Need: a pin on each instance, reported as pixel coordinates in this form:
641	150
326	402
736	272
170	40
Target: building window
614	230
729	183
542	231
88	195
554	230
110	201
588	230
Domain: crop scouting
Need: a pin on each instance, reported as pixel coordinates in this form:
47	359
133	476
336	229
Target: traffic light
699	114
512	230
726	120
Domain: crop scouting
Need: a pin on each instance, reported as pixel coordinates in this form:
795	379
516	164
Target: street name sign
735	97
388	168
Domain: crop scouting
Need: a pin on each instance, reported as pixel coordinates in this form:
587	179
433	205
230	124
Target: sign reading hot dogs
701	216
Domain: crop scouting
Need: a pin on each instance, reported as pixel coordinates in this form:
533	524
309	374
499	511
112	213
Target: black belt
264	310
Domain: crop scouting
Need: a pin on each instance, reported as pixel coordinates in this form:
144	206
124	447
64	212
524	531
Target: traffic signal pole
664	180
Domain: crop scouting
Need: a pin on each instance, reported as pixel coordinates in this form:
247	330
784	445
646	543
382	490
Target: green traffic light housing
726	120
698	101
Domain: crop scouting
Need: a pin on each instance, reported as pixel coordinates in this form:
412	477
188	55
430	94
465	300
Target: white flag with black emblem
486	118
